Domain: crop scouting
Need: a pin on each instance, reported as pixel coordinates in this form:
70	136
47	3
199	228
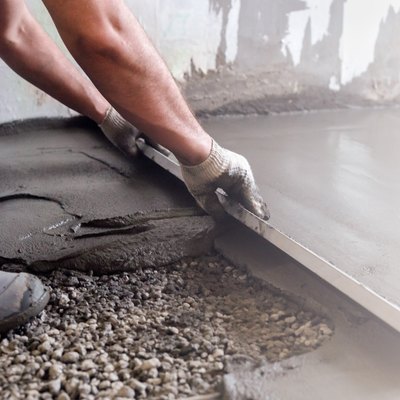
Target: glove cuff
211	168
112	121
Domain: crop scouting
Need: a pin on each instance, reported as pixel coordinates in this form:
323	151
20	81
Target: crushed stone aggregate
156	333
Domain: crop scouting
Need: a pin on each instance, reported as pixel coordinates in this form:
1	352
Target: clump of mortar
162	333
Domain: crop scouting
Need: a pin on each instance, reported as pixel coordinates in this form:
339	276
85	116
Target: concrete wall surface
246	56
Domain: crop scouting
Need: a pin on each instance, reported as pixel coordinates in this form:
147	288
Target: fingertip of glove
261	211
267	214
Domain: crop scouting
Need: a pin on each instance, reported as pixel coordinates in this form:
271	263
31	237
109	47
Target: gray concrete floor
331	181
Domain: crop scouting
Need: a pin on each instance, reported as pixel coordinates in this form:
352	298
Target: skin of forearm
112	48
29	51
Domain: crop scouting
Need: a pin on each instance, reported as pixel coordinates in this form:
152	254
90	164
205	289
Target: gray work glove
123	135
230	172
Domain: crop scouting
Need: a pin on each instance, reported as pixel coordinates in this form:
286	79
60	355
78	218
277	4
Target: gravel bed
165	333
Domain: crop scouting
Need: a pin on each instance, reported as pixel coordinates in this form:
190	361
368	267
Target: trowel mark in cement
140	217
28	222
164	242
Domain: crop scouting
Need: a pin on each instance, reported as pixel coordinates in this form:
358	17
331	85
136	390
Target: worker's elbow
99	43
12	37
8	41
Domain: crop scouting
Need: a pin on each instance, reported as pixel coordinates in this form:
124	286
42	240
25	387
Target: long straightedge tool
373	302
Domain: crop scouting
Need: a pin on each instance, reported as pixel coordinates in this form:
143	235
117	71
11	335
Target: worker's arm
30	52
110	45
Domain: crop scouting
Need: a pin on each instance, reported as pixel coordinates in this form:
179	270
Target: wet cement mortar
169	332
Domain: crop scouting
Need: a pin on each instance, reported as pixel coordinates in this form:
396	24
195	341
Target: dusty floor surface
162	333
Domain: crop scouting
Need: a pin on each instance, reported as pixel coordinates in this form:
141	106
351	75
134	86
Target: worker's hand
230	172
120	132
123	135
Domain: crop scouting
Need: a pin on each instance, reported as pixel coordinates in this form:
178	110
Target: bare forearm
112	48
28	50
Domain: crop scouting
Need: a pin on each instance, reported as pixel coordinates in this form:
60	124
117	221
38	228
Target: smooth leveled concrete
331	181
69	199
361	362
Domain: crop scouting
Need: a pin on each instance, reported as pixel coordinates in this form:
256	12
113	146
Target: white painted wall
317	14
188	33
361	26
18	98
360	32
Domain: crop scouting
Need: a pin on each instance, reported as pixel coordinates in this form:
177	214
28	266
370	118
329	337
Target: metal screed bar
376	304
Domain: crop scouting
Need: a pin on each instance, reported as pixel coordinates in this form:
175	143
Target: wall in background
246	56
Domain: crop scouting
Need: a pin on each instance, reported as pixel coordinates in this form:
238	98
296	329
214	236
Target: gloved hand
123	135
120	132
229	171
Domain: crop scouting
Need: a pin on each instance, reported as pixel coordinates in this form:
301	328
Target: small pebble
126	392
87	365
70	357
149	364
54	386
55	371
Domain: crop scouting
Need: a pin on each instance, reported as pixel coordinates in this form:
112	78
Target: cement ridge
45	123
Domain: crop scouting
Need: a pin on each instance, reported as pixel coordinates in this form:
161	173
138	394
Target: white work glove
229	171
120	132
123	135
